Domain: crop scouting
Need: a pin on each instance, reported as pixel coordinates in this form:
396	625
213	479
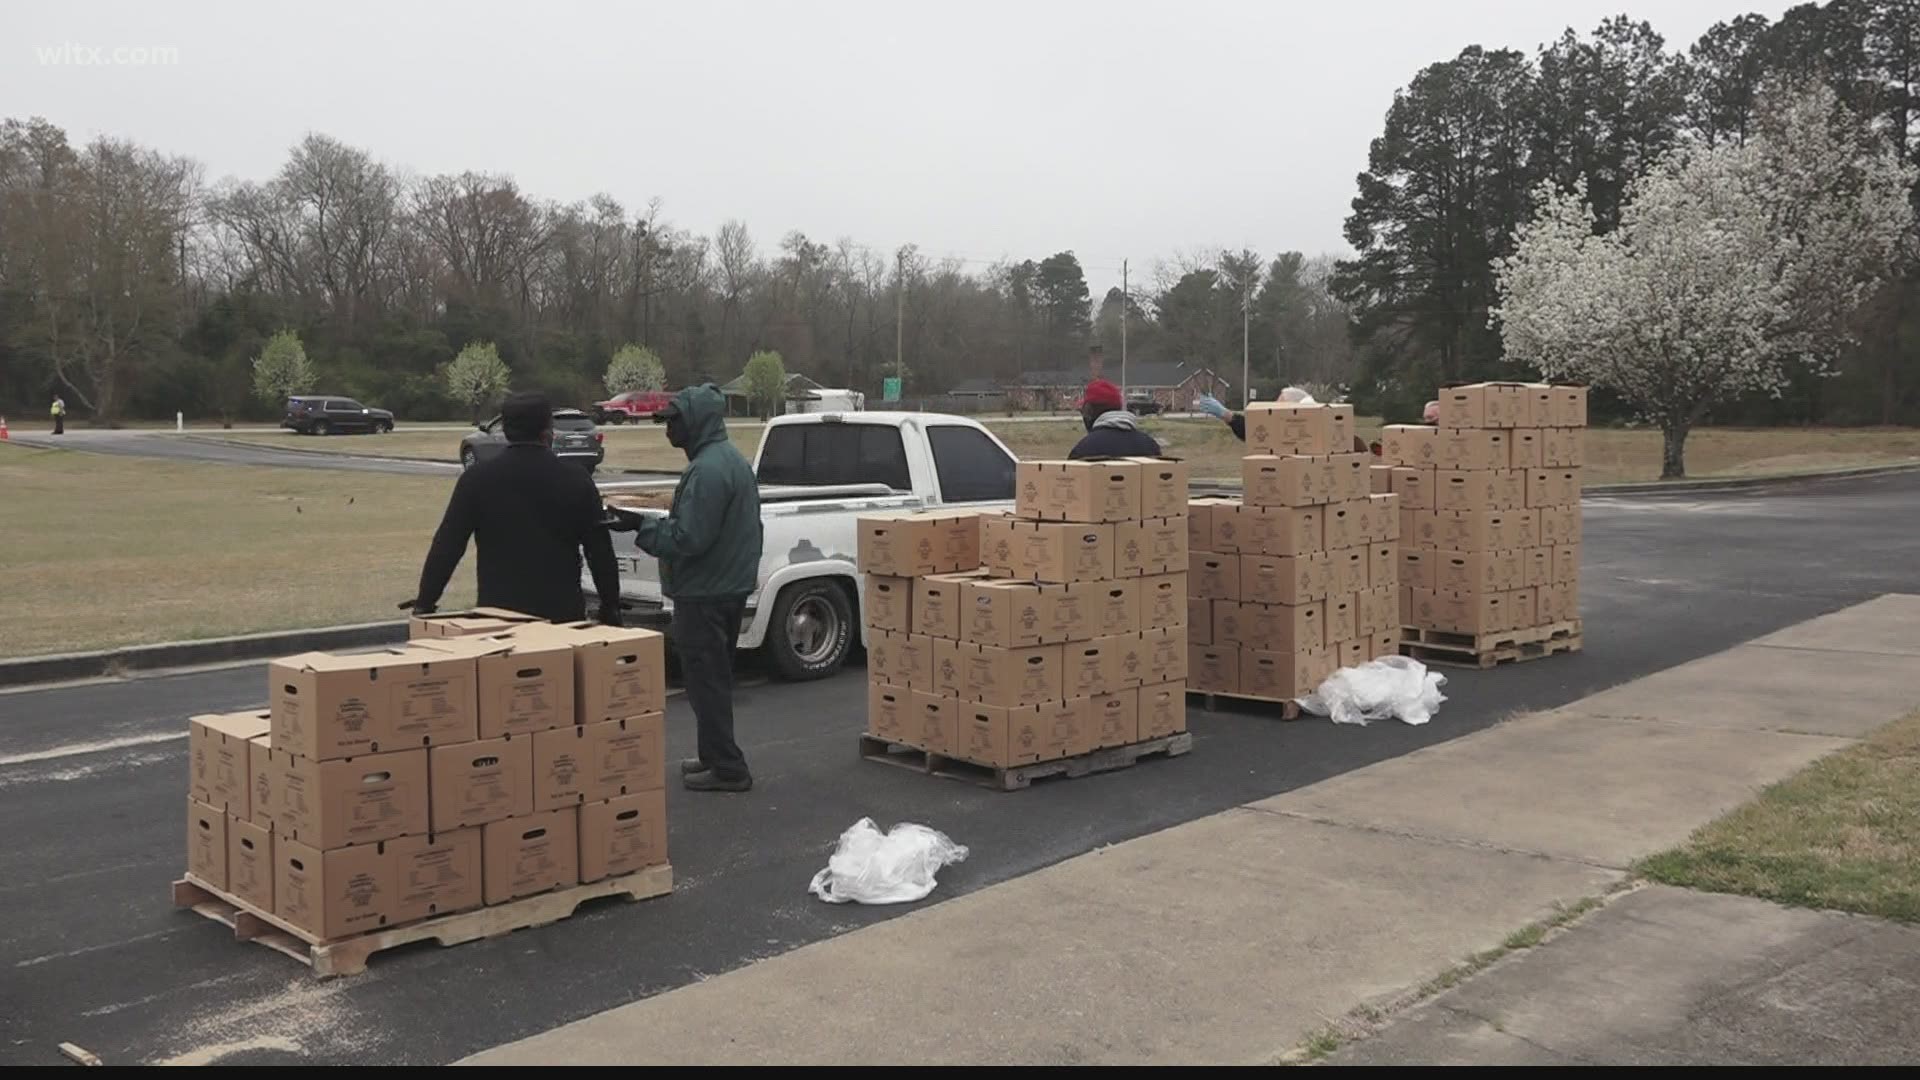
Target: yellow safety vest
59	408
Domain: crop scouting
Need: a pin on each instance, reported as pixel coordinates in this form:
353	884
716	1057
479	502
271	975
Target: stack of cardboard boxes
1006	639
1490	535
1298	577
489	758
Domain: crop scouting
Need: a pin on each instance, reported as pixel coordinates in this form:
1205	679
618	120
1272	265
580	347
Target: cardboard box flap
241	725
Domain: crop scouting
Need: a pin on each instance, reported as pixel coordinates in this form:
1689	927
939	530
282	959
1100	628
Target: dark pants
60	423
704	632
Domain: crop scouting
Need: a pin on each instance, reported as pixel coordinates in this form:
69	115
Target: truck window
820	454
970	466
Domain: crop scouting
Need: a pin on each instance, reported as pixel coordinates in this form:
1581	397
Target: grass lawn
100	551
1843	833
1614	455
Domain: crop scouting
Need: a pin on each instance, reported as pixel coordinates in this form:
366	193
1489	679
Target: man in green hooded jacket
709	551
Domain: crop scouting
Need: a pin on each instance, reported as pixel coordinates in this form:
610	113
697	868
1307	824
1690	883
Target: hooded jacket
1115	434
709	543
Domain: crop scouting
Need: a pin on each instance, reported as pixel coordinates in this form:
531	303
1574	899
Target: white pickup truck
818	473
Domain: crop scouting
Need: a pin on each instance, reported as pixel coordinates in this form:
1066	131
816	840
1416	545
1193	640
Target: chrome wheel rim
812	628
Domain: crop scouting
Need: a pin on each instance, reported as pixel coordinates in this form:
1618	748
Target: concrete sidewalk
1230	939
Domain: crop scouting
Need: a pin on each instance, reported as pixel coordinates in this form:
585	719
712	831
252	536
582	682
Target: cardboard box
938	601
1385	519
1417	567
1166	657
1474	571
1214	668
326	706
999	736
1283	675
1566	563
1200	619
1472	449
477	782
931	721
436	874
1460	489
1150	546
334	894
207	843
1380	610
914	543
1163	486
1091	490
217	749
1213	576
1020	676
887	603
1526	448
1353	653
1007	614
563	763
1410	445
1569	406
1162	602
524	682
1282	627
453	624
1114	718
1477	530
1343	618
901	659
1482	405
1283	427
628	755
890	713
1563	447
1101	608
262	771
1522	609
1346	524
250	862
1277	530
1343	420
1385	643
1267	480
1284	579
527	855
1379	479
360	800
1163	710
1051	551
1347	569
1226	629
1557	525
1383	565
623	835
618	673
1536	407
1201	525
1416	487
1349	476
1536	567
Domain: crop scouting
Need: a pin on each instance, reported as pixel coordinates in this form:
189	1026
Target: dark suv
574	439
312	415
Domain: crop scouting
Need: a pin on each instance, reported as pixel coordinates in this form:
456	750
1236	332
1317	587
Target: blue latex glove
1210	405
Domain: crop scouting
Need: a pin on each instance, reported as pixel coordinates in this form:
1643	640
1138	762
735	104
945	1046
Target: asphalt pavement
92	780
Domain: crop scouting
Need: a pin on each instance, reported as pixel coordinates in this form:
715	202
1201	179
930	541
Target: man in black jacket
530	514
1112	431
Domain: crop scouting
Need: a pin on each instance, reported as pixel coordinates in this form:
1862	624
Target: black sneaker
708	780
693	766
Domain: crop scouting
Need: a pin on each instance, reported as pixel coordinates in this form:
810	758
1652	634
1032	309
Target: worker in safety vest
59	415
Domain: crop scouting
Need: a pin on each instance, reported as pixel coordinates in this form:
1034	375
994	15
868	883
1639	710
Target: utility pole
1125	299
1246	331
900	319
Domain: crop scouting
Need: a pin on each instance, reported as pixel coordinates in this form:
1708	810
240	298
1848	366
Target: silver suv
575	438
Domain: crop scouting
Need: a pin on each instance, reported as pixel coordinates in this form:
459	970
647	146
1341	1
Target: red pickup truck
635	405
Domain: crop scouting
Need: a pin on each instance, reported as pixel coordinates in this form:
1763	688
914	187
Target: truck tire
811	631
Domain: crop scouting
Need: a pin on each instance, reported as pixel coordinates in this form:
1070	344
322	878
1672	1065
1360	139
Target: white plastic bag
1399	687
897	867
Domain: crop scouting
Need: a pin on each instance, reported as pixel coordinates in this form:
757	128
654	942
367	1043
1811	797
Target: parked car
818	473
633	405
575	438
309	414
1140	403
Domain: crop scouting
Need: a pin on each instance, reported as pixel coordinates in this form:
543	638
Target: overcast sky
983	130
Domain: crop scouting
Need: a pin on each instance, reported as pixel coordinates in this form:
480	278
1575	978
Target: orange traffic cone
3	430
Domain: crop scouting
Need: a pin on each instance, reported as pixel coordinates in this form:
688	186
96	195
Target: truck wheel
811	630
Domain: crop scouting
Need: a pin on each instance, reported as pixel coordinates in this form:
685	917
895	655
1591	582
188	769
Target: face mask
677	431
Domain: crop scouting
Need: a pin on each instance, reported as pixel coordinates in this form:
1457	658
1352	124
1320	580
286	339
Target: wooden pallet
1015	777
348	956
1289	708
1488	642
1510	653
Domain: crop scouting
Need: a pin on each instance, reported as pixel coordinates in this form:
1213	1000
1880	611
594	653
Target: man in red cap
1112	431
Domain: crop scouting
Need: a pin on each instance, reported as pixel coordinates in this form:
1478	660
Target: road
91	781
207	446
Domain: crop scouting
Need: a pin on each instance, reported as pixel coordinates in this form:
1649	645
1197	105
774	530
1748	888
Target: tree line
1475	146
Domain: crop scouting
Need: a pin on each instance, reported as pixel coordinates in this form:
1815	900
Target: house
740	403
1171	384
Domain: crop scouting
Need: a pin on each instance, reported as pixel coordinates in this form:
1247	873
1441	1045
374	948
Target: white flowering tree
477	376
635	367
1731	267
282	369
